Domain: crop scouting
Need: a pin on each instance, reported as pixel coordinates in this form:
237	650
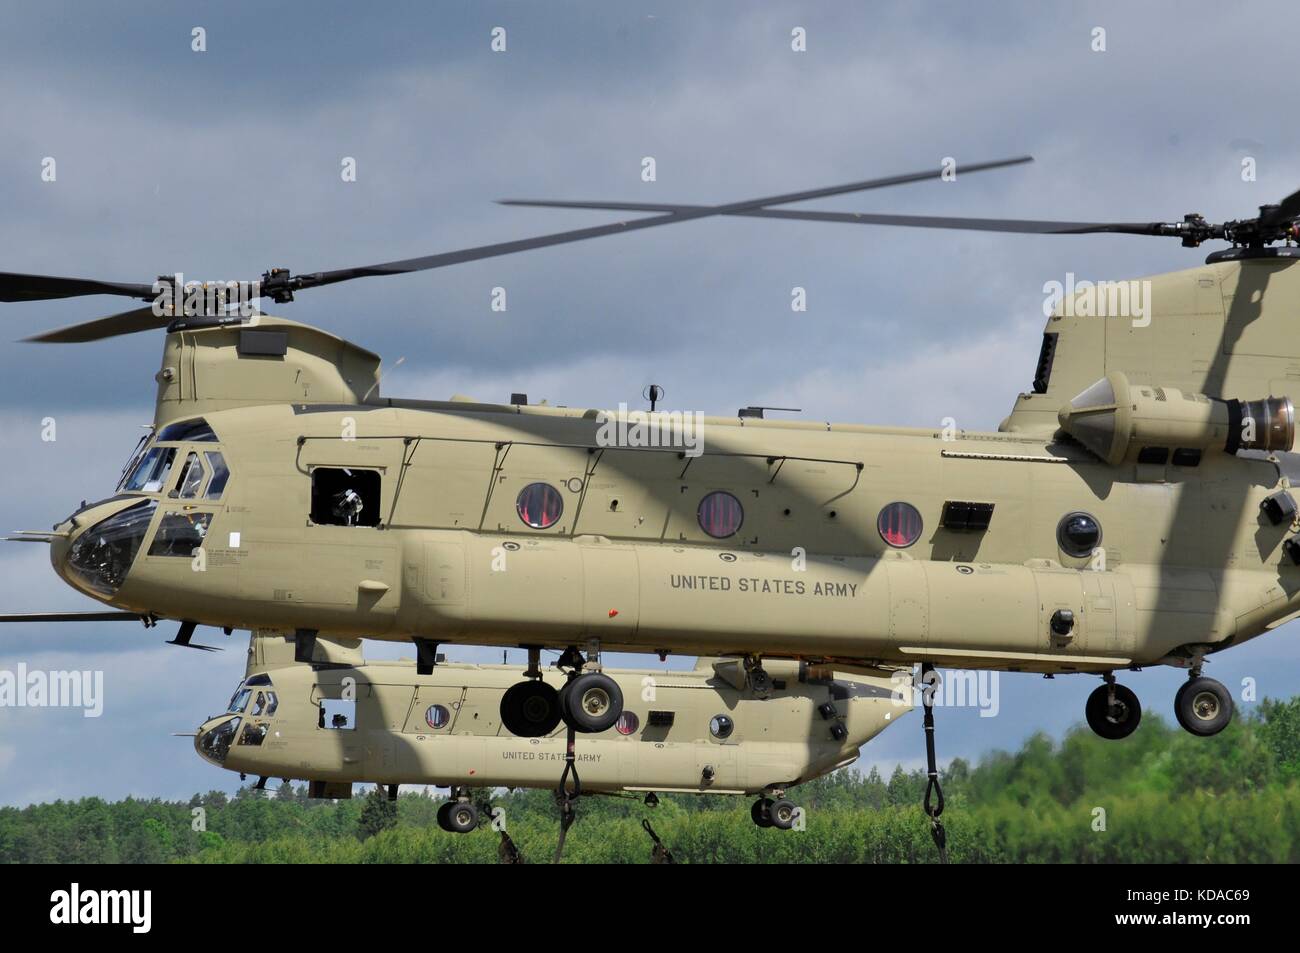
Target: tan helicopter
703	732
1134	509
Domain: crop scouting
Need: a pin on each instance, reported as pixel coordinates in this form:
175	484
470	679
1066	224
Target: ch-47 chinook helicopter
704	731
1135	508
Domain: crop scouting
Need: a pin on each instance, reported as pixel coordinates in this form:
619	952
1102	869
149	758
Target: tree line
1160	796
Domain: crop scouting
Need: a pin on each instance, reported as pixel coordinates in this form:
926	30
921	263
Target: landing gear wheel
442	815
782	814
1113	721
1203	706
591	703
461	816
759	812
530	709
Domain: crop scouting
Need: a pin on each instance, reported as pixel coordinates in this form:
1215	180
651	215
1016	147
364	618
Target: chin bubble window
101	556
539	505
721	726
899	525
215	743
720	514
1078	534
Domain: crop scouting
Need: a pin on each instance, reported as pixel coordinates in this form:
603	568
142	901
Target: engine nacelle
1118	420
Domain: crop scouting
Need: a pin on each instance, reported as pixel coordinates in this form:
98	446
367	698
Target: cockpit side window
179	534
272	703
191	481
259	706
220	474
150	474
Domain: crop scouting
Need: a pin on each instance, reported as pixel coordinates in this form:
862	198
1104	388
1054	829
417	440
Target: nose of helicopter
214	738
97	545
59	548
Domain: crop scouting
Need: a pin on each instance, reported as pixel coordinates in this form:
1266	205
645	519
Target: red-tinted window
899	524
627	723
720	514
539	505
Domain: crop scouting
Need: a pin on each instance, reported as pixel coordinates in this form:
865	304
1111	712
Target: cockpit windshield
134	459
239	699
150	474
266	701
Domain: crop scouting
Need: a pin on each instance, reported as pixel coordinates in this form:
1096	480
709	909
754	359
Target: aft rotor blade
1285	211
115	616
125	322
676	214
15	286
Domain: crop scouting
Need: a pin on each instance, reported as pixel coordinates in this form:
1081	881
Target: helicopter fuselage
525	525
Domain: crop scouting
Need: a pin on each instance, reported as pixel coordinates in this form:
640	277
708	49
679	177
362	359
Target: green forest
1159	796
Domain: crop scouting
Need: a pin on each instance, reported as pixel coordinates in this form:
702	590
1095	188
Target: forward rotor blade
15	286
115	616
674	214
1027	226
125	322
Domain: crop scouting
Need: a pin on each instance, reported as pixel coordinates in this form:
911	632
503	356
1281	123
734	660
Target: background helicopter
1024	601
703	731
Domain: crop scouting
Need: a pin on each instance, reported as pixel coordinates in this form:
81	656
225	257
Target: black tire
530	709
1203	706
1116	723
782	813
758	813
462	816
442	815
592	702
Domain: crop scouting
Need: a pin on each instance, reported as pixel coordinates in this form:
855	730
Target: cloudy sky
224	163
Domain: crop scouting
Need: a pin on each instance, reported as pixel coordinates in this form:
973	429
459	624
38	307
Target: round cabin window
721	726
720	514
627	723
1078	534
437	716
539	505
899	525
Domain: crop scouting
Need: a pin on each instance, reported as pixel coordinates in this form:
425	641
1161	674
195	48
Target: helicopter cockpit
171	465
150	465
252	709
